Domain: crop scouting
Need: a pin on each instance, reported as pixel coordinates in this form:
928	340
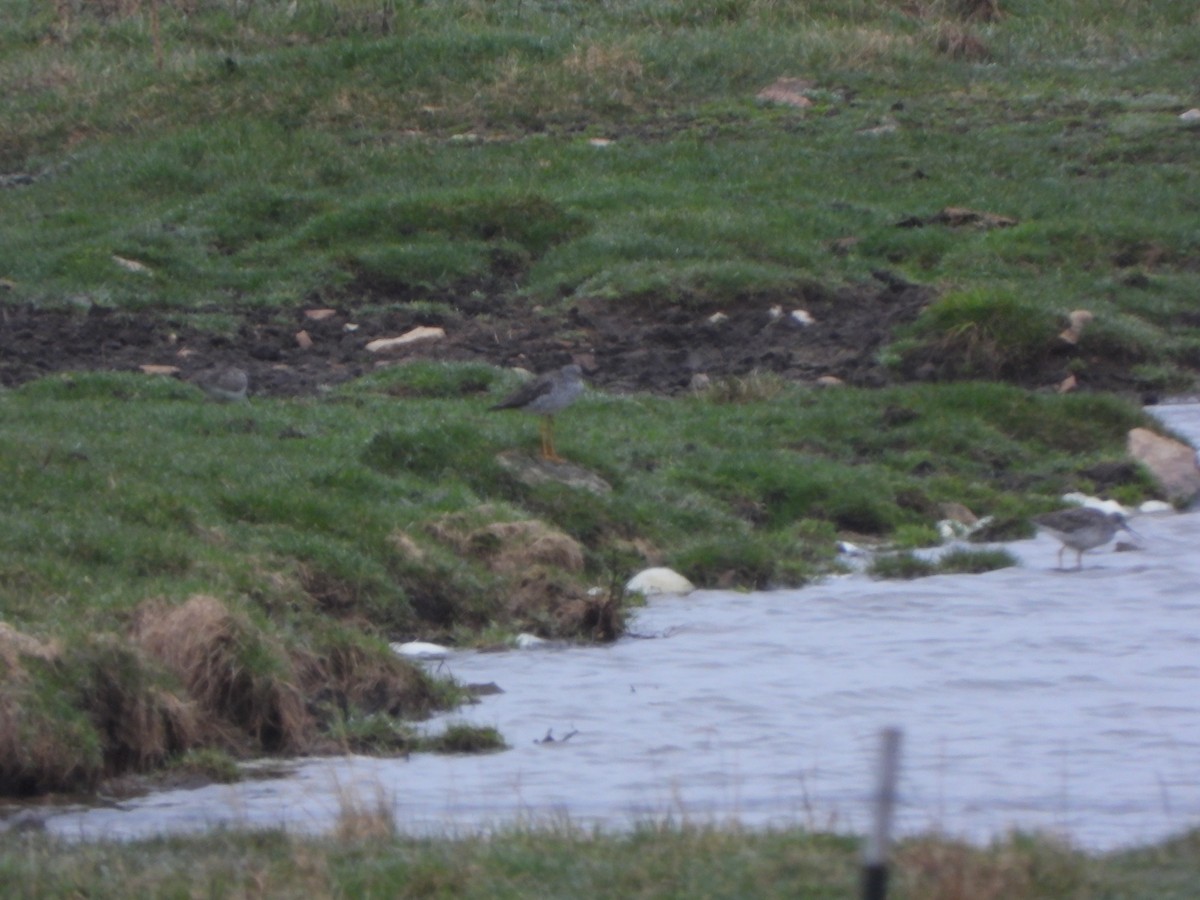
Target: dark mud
624	345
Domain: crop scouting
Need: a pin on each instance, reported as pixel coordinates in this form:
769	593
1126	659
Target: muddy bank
626	345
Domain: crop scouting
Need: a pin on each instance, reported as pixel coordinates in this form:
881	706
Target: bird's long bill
1131	531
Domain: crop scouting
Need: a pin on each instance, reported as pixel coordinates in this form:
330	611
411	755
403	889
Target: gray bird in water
1081	528
546	395
227	384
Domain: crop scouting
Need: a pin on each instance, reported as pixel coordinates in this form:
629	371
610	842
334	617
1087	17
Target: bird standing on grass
227	383
546	395
1081	528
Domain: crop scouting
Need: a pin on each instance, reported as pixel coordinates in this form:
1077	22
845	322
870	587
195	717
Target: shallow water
1029	698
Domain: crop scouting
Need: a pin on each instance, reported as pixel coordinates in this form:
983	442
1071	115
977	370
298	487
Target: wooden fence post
883	804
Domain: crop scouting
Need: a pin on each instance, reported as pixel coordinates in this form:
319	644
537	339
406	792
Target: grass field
186	159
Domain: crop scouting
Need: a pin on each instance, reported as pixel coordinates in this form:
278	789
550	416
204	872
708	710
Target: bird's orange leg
548	452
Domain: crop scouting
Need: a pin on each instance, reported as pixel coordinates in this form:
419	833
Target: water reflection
1030	698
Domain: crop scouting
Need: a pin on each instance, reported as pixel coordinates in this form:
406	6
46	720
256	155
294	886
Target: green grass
386	153
389	518
368	860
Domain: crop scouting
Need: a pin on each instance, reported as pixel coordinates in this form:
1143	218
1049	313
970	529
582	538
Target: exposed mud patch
625	345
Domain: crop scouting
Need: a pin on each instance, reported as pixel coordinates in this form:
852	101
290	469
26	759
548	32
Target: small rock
320	315
1173	464
525	641
420	650
151	369
803	317
1155	508
600	142
659	580
717	318
1067	385
420	333
1192	115
303	341
1079	319
699	383
828	381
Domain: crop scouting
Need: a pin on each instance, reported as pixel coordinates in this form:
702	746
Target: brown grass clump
16	644
234	672
557	607
97	708
511	547
360	821
939	869
41	751
539	568
350	675
141	723
959	42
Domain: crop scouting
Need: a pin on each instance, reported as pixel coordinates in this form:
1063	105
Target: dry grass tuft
539	568
141	723
234	671
359	821
938	869
959	42
354	677
39	753
754	387
511	547
604	62
15	644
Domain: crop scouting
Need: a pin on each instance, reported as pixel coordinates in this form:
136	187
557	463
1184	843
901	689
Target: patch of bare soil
625	345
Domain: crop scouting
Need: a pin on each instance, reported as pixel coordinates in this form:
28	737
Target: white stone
952	530
530	642
420	333
1192	115
1155	508
659	580
803	317
420	650
1108	506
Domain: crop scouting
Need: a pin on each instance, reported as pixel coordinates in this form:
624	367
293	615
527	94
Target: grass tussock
235	671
